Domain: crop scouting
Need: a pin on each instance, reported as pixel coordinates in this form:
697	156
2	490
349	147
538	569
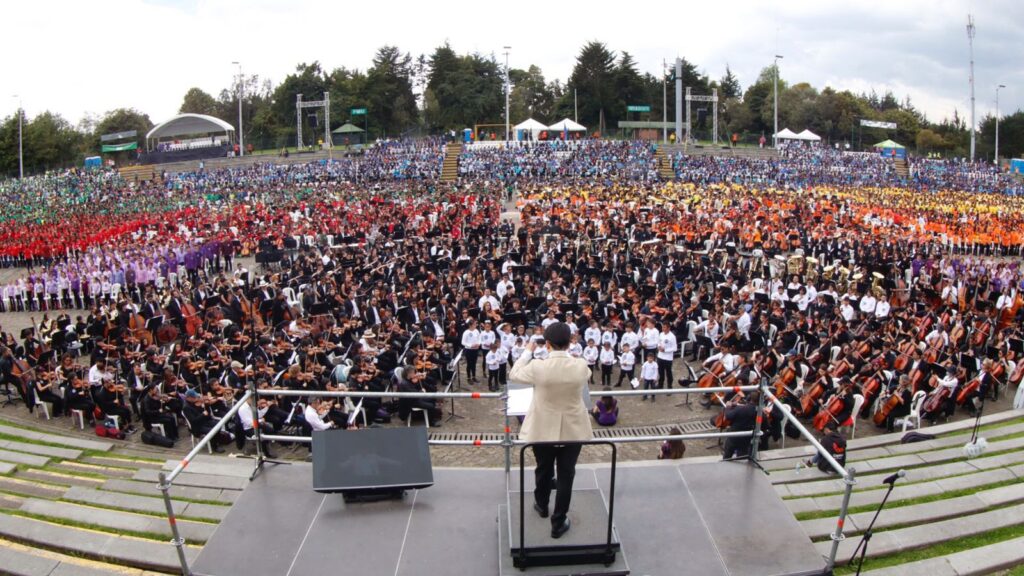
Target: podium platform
671	519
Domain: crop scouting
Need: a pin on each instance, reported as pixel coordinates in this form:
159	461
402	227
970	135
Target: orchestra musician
155	411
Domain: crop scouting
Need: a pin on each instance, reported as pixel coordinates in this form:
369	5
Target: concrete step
22	458
920	513
983	560
8	502
114	520
57	478
136	552
31	488
930	472
197	480
21	560
121	462
915	537
180	492
908	491
59	440
217	465
147	504
110	472
52	451
7	467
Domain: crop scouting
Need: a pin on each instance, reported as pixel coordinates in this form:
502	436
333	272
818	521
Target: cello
829	412
193	323
137	328
890	404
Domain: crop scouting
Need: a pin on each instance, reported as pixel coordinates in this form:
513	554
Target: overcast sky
76	57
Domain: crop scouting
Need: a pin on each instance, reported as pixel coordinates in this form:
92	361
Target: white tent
787	134
531	127
566	125
809	136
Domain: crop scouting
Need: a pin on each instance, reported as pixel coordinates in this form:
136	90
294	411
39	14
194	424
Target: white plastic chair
43	407
80	414
915	409
858	403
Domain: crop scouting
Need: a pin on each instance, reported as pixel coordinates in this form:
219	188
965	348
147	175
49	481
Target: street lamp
997	122
241	142
21	159
775	135
507	90
664	101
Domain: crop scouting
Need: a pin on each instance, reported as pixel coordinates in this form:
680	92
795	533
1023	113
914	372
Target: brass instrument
843	279
876	285
811	273
795	264
828	273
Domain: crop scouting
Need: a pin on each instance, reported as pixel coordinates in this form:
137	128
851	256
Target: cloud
79	57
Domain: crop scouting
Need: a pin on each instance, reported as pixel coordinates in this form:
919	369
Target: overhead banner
117	136
119	147
878	124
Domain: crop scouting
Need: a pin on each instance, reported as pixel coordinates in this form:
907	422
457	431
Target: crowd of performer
824	293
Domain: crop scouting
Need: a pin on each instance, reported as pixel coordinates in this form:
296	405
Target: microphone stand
862	547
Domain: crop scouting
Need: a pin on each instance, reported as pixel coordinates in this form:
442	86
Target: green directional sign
638	108
358	111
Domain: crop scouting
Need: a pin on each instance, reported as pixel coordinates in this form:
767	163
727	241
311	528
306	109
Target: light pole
997	123
241	142
21	159
664	101
775	135
508	88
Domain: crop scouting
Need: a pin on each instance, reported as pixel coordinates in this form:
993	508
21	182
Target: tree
308	80
1011	136
593	78
729	85
467	90
122	120
197	101
390	99
930	141
531	96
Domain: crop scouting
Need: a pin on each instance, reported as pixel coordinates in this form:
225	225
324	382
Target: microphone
892	478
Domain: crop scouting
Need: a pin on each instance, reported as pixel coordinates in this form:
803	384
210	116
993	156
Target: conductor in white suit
556	414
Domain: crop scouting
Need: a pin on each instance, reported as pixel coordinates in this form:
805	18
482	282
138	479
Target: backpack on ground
156	439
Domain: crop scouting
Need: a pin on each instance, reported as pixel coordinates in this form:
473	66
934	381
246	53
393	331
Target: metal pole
298	121
758	422
241	140
21	159
176	540
508	88
997	123
327	120
209	436
679	100
664	101
575	107
775	137
838	535
970	44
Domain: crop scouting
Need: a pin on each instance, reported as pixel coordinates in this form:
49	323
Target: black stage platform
703	519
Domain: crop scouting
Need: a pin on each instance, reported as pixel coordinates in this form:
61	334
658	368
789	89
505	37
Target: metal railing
507	442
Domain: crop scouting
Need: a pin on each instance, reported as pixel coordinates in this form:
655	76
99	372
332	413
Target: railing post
755	440
176	539
838	535
506	440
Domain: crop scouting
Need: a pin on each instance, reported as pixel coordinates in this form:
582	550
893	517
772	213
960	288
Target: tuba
795	264
811	273
876	285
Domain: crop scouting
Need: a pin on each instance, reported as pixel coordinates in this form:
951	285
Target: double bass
193	322
890	404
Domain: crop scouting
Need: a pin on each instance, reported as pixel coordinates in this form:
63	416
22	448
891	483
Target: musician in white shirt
882	307
471	349
667	347
607	360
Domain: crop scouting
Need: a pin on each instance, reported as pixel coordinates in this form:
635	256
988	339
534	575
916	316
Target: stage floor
703	519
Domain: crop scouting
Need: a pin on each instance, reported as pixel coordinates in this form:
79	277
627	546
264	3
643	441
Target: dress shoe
558	531
543	512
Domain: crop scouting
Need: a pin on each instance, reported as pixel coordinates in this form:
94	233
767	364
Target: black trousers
664	373
548	456
471	356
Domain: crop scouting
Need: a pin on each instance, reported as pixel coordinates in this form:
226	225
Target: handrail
808	436
480	395
208	437
481	442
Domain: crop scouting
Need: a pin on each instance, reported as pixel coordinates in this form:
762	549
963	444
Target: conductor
557	414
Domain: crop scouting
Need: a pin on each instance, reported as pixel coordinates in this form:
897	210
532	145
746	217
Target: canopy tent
347	133
567	125
809	136
887	144
529	129
187	125
787	134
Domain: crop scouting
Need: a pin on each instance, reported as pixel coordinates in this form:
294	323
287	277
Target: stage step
122	462
983	560
216	465
66	441
20	560
112	520
920	513
136	552
147	504
7	467
914	537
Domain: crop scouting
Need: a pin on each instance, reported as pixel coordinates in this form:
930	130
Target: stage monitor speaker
371	464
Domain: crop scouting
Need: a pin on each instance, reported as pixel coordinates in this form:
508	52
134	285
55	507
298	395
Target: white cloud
78	57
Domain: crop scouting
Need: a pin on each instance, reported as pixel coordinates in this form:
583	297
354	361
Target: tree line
446	90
